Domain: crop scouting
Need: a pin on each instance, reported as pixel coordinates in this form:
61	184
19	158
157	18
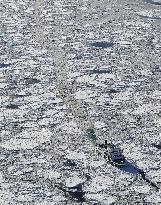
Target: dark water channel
150	17
142	173
5	65
101	44
132	169
12	106
75	192
156	2
158	146
96	71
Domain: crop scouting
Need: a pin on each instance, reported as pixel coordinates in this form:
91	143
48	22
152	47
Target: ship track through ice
66	88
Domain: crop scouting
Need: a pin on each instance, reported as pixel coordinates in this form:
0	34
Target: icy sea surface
74	73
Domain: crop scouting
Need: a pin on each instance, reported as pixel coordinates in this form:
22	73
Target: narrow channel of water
156	2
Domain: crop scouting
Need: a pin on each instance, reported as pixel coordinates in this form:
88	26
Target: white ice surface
27	140
100	183
105	200
73	181
75	155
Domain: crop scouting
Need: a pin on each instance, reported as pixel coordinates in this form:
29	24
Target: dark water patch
158	146
91	135
13	125
5	65
149	17
70	162
153	2
96	71
88	177
12	106
91	85
113	91
101	44
31	80
78	57
129	167
22	95
75	192
107	104
14	152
